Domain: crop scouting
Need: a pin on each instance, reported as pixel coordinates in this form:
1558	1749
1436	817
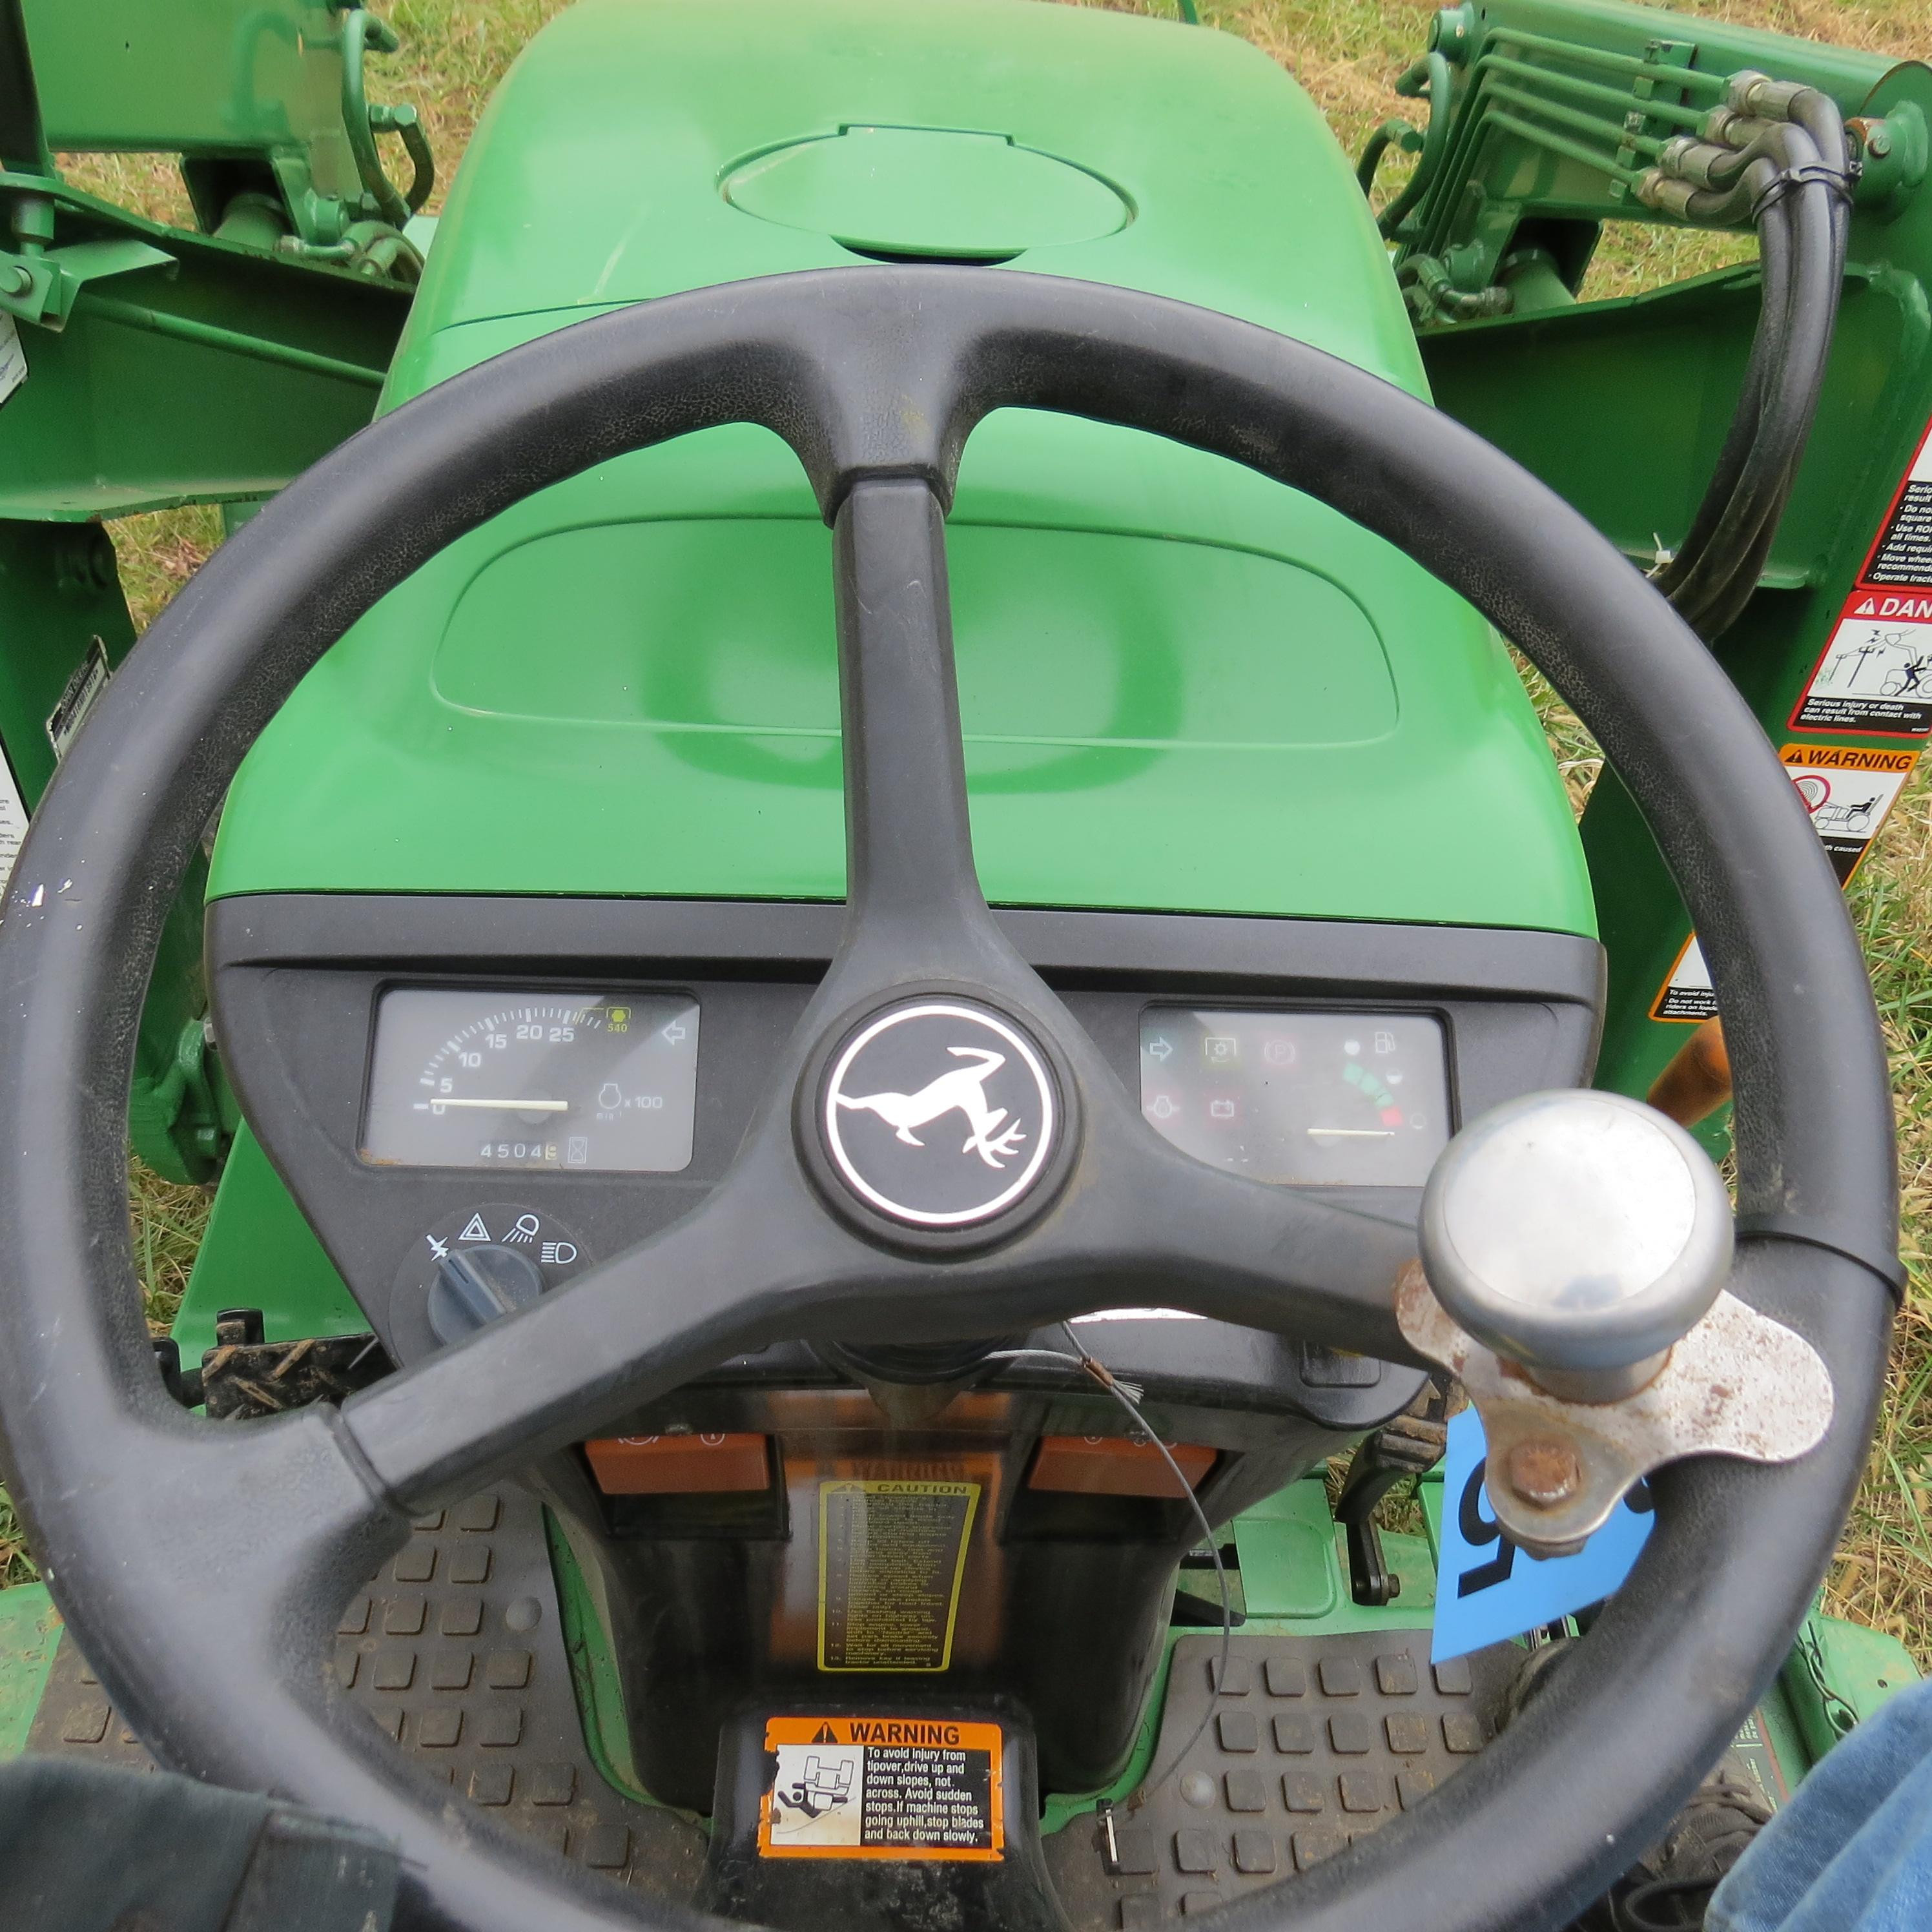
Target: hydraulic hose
1767	355
1818	116
1792	180
1715	618
1431	72
1719	579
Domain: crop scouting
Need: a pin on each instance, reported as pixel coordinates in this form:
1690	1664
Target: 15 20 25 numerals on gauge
497	1077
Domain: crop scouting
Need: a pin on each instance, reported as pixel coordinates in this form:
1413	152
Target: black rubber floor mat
456	1651
1314	1741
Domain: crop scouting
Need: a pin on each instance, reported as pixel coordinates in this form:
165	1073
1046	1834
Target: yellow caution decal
891	1558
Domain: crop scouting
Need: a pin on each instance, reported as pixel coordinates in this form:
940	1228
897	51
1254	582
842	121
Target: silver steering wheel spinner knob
1574	1250
1579	1233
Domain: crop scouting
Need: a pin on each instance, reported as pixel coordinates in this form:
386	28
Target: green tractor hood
1183	686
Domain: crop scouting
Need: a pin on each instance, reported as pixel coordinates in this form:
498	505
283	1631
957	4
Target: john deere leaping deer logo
964	1089
921	1071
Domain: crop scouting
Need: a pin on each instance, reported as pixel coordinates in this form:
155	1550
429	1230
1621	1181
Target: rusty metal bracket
1738	1384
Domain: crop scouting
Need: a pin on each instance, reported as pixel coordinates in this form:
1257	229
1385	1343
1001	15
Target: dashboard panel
1299	1098
1333	1056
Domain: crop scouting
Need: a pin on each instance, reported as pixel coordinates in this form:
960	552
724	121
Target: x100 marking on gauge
487	1077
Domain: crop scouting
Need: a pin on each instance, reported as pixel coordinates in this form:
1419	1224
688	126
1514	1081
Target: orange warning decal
882	1787
1847	790
1848	758
1687	993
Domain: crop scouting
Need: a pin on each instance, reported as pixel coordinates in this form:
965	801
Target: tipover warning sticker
1903	553
1848	790
891	1556
1876	674
878	1787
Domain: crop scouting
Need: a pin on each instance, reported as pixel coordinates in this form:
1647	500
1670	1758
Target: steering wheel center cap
939	1113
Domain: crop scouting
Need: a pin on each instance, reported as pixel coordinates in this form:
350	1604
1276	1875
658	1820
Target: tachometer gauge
1344	1099
491	1077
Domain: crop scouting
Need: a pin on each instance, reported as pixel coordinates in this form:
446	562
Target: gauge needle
511	1106
1352	1133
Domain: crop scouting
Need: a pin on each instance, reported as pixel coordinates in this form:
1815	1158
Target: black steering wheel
189	1555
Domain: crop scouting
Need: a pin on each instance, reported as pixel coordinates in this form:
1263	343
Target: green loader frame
165	366
1547	116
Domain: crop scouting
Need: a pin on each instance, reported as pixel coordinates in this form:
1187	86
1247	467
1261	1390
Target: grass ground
1345	53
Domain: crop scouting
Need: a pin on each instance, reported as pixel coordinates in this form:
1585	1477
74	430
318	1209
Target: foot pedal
1312	1742
456	1651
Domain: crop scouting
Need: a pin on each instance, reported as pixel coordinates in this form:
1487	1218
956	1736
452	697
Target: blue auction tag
1487	1589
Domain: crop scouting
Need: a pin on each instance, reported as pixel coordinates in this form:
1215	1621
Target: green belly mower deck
586	794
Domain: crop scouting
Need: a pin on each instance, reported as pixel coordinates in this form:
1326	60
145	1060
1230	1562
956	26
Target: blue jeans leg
1852	1851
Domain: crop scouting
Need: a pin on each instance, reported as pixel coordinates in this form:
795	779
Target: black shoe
1668	1888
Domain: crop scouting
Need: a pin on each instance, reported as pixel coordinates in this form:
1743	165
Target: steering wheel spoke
1266	1257
908	845
722	1280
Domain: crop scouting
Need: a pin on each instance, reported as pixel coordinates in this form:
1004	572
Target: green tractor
867	938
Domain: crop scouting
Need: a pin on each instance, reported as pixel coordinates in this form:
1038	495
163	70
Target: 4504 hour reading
471	1078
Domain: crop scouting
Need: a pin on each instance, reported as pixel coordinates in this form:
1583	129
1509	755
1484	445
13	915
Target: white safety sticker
1875	675
1903	553
1848	790
883	1787
78	696
13	822
12	358
1687	994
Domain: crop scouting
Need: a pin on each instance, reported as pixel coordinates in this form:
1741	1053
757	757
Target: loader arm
1561	116
145	367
